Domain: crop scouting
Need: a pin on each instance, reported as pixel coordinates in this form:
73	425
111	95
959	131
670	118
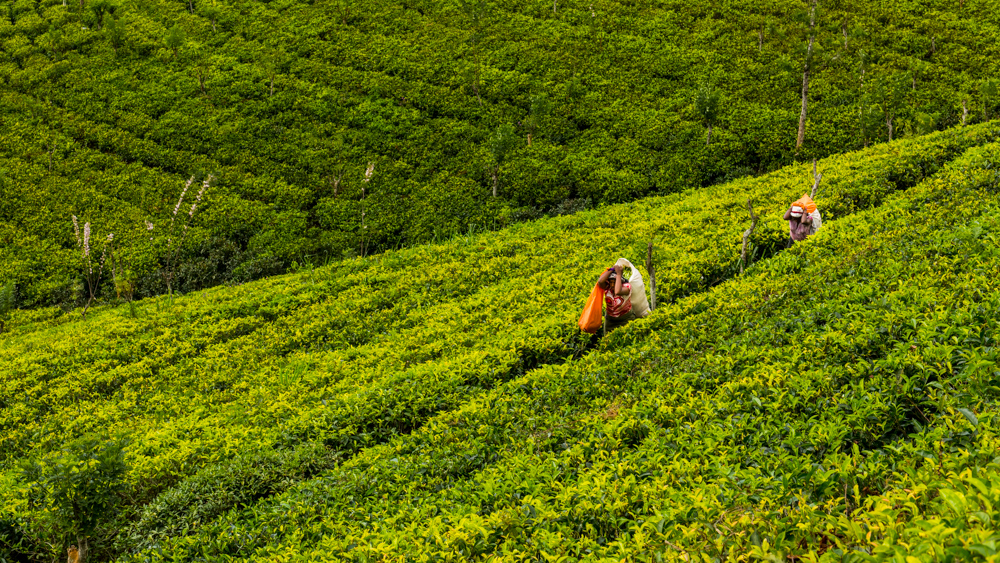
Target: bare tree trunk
651	269
965	112
805	103
84	315
496	178
888	123
364	227
805	79
529	139
708	139
335	180
84	547
760	39
746	235
861	111
816	177
843	29
272	85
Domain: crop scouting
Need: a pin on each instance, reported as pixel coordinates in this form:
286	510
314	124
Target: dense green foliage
108	106
439	401
72	492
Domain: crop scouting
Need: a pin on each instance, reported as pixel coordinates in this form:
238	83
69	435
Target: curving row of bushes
109	108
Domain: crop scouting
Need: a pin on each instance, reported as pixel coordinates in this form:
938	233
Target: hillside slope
108	106
443	393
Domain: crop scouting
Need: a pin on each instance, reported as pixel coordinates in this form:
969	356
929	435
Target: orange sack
590	320
806	202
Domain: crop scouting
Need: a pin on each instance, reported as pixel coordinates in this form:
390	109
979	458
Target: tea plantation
835	402
476	114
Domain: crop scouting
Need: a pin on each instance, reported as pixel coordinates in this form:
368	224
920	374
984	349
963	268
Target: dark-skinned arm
603	280
618	283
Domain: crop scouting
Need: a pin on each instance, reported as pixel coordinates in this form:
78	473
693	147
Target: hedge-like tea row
350	356
287	102
836	403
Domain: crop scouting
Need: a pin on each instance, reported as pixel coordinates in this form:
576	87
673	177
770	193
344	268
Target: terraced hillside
834	401
108	106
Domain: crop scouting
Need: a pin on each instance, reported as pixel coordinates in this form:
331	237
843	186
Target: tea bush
287	102
836	403
426	370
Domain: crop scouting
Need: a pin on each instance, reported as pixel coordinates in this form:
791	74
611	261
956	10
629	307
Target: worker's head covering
806	203
796	211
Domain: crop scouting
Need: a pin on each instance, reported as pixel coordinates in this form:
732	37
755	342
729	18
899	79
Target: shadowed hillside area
341	128
834	401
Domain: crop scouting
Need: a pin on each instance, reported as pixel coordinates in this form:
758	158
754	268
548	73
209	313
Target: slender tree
100	9
806	69
211	12
988	89
202	69
92	267
343	7
500	145
889	94
115	32
273	62
369	174
476	15
7	300
575	89
540	106
925	123
706	105
747	234
175	38
175	239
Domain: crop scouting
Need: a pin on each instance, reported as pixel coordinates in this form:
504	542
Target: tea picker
803	219
624	299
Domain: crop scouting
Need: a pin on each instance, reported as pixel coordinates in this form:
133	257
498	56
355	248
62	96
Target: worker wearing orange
617	293
803	219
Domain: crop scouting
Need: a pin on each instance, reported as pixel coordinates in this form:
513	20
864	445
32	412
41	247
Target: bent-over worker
802	221
617	291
